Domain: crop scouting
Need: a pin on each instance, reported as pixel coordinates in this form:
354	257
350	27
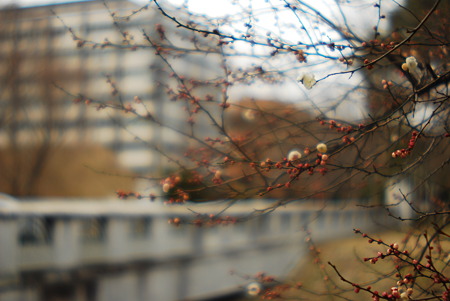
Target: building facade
64	66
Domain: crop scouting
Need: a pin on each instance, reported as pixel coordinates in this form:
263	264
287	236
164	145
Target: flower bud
254	289
322	148
308	80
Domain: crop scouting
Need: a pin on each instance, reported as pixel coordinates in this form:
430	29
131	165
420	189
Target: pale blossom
404	296
218	174
321	148
294	155
411	62
166	187
249	114
254	289
412	66
308	80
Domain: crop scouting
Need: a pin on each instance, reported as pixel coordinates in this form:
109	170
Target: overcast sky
31	2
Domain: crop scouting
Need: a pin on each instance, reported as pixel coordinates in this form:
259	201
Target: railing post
66	242
8	245
198	241
116	237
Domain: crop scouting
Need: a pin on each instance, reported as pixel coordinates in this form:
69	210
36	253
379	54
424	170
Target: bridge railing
66	234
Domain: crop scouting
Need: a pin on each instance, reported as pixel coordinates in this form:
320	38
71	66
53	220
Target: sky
26	3
33	2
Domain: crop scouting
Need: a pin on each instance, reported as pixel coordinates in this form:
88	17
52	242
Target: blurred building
55	59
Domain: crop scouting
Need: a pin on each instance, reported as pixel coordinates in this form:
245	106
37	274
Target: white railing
63	235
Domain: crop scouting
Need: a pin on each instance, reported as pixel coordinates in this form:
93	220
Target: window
140	227
94	229
36	231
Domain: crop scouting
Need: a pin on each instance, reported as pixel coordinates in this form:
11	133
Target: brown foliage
67	172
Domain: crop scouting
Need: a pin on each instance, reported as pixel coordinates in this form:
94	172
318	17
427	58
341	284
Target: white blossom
249	114
412	66
322	148
254	289
294	155
404	296
308	80
217	174
166	187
